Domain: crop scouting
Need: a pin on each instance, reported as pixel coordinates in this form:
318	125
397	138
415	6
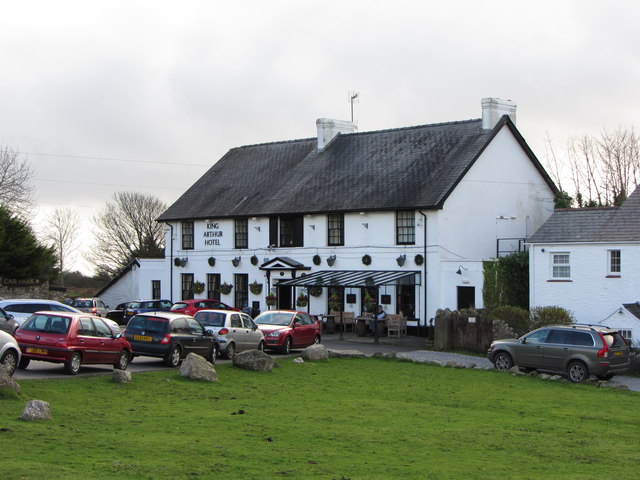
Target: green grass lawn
339	419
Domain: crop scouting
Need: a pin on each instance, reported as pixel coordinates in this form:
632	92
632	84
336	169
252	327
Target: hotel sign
213	235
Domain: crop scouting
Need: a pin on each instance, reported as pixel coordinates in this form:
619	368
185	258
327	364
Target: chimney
328	129
494	108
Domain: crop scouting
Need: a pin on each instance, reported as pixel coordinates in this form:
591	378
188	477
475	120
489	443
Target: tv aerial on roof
353	98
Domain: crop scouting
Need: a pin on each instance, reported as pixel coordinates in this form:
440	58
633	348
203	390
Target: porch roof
354	278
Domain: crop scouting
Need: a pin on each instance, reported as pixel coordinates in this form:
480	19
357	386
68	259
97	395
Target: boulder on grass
6	382
198	368
346	354
36	410
121	376
315	353
253	360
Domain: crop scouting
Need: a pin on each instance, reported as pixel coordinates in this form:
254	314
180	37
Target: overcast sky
102	96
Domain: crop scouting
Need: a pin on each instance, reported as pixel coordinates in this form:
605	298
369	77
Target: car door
201	343
181	335
86	341
303	332
109	348
557	349
531	352
237	332
252	332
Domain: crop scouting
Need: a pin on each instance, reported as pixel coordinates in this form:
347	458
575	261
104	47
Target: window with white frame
560	268
614	262
626	334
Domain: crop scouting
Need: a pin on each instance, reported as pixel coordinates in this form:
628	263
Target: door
252	333
304	331
531	352
285	298
556	349
107	343
466	297
236	332
201	343
86	342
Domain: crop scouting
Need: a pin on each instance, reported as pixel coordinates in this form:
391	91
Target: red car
287	329
190	307
73	339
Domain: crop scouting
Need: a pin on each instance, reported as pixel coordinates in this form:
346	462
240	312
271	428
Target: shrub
553	315
517	318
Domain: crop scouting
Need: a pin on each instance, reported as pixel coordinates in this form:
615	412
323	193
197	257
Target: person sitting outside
378	316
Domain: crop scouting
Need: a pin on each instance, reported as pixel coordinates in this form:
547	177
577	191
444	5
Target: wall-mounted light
257	228
313	227
365	225
331	260
460	268
401	259
236	261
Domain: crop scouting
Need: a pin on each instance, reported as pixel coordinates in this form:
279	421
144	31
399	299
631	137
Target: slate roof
601	225
633	308
404	168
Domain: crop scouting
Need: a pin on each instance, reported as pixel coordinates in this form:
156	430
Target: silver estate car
576	351
235	331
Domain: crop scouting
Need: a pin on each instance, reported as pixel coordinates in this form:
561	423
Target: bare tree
126	229
16	191
61	234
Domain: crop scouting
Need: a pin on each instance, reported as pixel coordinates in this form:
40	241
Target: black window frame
291	231
188	239
241	233
213	286
335	229
241	289
156	289
186	283
405	227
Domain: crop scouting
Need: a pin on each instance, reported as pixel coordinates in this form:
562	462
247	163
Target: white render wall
589	294
136	283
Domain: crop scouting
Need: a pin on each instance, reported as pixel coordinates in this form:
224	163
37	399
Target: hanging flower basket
366	259
212	261
302	300
315	291
270	299
255	288
225	288
254	260
198	287
335	302
317	260
369	302
418	259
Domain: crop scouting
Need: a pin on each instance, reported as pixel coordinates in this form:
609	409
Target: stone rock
36	410
298	360
121	376
346	354
197	367
315	353
254	360
7	382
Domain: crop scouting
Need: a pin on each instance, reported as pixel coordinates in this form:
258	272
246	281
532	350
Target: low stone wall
30	291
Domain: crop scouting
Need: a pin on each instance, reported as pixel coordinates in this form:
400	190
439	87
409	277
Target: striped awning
354	278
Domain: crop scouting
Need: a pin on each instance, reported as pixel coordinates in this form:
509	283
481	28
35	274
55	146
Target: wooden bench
396	325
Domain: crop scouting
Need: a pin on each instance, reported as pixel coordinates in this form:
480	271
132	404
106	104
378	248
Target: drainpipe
171	263
424	272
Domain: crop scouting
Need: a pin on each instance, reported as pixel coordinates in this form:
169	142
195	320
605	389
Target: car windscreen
82	304
179	306
274	318
210	319
148	324
46	324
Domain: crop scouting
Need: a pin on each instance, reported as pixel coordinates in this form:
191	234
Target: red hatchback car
190	307
73	339
287	329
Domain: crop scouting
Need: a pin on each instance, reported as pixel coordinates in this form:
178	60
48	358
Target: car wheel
577	372
24	363
173	357
608	376
72	366
10	361
503	361
123	360
213	353
261	346
231	351
286	347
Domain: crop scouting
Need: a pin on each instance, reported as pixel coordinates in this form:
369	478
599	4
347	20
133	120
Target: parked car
117	314
7	322
23	308
133	308
234	331
170	336
73	339
9	352
576	351
94	306
190	307
287	329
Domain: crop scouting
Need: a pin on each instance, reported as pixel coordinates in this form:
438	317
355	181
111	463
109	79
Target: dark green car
576	351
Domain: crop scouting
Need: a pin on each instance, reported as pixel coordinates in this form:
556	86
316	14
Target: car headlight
274	334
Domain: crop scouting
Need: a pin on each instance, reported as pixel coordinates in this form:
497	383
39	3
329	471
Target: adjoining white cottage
587	260
404	217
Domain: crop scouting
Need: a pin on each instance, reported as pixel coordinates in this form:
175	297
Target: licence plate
40	351
143	338
618	353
